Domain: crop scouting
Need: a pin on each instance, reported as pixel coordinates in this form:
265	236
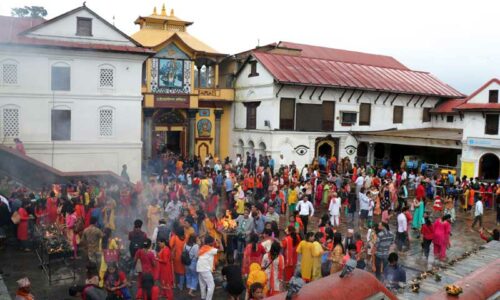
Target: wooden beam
394	99
416	102
310	97
385	100
321	95
342	96
353	92
300	96
378	96
408	103
359	97
279	90
422	104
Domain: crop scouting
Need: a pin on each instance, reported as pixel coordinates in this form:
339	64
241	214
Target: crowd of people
253	225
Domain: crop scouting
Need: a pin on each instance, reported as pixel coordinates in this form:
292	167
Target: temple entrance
489	167
169	132
327	146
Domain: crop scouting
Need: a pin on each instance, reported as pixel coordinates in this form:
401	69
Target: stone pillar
191	130
148	135
218	114
371	154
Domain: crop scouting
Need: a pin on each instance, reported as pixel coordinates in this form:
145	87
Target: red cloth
166	275
155	294
427	232
359	245
290	255
250	256
52	210
420	192
22	227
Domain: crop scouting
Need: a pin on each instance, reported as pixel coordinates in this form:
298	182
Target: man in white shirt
306	210
478	213
402	229
334	210
282	161
359	183
364	207
204	267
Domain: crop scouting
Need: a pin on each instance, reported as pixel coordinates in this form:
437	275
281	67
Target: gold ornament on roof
163	10
154	11
171	12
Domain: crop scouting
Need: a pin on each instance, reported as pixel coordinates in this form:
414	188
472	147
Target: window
106	122
106	78
252	114
328	115
347	118
309	117
397	117
253	69
61	78
61	125
83	26
450	119
491	124
10	122
287	113
426	114
143	73
365	113
493	96
9	73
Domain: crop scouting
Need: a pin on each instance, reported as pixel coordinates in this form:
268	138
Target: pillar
148	134
218	115
371	154
191	134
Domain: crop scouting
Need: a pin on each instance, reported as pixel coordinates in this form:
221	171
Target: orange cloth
177	246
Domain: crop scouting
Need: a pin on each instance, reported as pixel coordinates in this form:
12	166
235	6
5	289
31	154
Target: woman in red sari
148	261
52	208
289	245
22	227
441	239
166	275
253	254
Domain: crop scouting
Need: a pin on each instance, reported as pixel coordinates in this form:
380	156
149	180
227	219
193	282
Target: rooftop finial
171	12
154	11
163	10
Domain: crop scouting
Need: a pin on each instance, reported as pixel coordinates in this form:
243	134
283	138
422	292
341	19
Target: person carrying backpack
161	232
189	258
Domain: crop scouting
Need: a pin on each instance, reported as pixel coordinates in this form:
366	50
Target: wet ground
17	264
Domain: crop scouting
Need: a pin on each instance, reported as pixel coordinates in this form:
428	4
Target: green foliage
29	11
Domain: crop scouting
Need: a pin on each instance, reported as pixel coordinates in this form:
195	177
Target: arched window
106	124
106	76
10	69
10	121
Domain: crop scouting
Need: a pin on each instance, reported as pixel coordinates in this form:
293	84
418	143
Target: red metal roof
479	106
293	69
345	56
448	106
11	27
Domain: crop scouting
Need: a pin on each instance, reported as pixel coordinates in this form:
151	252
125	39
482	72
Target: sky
458	41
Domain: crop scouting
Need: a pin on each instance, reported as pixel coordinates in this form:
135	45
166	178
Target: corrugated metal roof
10	27
479	106
293	69
448	106
345	55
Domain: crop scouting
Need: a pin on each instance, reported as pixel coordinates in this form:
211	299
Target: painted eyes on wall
301	150
350	149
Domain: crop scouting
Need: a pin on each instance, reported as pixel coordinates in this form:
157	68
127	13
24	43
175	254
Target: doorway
489	166
326	146
173	142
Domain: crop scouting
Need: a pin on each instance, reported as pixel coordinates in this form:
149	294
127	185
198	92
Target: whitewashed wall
440	121
86	151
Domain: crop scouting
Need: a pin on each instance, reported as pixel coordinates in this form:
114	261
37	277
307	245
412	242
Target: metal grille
107	77
106	122
10	122
9	73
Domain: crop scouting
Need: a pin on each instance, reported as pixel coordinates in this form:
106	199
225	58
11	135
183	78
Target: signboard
172	101
468	169
486	143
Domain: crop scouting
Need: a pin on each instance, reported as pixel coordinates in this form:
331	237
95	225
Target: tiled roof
11	27
479	106
448	106
303	70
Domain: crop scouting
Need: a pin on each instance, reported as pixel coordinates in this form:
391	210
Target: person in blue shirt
451	178
394	273
228	183
219	180
271	164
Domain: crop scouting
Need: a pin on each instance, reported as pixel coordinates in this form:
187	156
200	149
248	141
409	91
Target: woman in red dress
253	253
148	261
166	275
22	227
289	245
52	208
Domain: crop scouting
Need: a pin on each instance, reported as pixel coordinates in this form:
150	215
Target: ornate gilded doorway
327	146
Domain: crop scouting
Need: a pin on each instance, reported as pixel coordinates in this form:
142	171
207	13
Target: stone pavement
17	264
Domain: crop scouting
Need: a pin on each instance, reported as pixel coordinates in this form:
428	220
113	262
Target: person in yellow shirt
305	249
292	199
204	187
317	252
257	275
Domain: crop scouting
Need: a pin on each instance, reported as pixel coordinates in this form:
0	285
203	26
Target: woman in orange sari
177	243
289	245
273	265
166	276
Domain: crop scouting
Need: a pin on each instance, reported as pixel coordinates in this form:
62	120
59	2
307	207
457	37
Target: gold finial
163	10
171	12
154	11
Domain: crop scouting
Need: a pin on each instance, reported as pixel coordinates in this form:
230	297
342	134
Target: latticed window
10	122
106	122
107	78
9	73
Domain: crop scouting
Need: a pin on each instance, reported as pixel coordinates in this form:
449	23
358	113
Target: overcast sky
456	40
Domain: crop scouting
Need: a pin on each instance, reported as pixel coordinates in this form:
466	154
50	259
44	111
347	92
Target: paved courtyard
17	264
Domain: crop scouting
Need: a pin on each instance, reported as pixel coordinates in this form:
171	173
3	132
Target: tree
29	11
